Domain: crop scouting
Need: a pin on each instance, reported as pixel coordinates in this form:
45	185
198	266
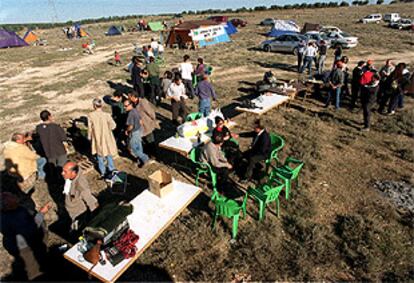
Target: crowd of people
384	87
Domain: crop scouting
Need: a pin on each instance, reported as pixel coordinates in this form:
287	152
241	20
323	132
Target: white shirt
310	51
176	91
186	71
160	48
154	45
66	188
150	54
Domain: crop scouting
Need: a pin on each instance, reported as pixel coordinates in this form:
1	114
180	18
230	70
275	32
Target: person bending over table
259	149
212	154
230	147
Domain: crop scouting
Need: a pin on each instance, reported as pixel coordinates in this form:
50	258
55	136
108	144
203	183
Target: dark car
239	23
218	19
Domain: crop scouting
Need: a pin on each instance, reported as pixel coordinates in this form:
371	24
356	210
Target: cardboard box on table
160	183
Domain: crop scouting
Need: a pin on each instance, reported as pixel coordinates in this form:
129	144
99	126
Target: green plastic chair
277	143
160	61
193	116
202	168
266	194
228	208
288	173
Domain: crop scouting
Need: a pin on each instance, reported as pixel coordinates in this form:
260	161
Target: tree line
316	5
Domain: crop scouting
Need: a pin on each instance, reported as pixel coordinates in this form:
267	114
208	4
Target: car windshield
344	34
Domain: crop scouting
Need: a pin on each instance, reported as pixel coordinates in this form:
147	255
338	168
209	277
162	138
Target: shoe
391	113
365	129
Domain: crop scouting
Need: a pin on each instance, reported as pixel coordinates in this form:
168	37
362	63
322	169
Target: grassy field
336	226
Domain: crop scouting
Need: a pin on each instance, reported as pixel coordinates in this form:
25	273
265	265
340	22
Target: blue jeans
135	144
101	164
41	162
334	93
204	107
307	63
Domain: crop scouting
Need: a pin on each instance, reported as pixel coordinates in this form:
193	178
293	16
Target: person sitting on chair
212	154
259	150
230	147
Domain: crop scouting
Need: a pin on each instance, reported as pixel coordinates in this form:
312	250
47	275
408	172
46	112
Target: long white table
151	216
265	103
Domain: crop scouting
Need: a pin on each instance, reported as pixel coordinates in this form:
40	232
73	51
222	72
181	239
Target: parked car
238	22
402	24
328	29
284	43
318	37
373	18
343	39
267	22
218	19
392	17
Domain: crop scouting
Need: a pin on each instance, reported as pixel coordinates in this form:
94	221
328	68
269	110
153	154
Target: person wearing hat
205	92
368	96
336	80
136	76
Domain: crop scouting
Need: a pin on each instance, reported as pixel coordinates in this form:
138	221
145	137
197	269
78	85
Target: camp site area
350	218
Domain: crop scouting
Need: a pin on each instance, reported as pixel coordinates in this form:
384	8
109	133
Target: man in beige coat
100	127
21	162
78	195
148	117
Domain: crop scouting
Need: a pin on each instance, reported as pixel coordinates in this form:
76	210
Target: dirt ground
336	225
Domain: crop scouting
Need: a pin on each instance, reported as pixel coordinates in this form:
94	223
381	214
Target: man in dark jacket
336	80
259	150
52	137
154	79
368	96
355	83
136	79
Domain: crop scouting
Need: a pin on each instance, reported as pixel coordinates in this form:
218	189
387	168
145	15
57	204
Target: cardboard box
160	183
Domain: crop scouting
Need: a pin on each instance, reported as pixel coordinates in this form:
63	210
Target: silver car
284	43
267	22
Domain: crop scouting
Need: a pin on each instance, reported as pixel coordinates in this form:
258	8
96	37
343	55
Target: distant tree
380	2
260	8
275	7
317	5
364	3
287	7
394	2
344	4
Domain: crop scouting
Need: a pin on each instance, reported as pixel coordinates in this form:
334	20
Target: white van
373	18
392	17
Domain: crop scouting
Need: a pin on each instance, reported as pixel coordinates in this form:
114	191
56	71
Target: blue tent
230	28
113	30
283	27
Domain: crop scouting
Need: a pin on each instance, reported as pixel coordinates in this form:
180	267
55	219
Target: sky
41	11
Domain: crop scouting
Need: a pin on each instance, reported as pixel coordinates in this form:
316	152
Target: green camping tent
156	26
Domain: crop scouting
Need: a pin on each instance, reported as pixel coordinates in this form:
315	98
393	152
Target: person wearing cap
336	80
356	83
100	133
322	56
205	92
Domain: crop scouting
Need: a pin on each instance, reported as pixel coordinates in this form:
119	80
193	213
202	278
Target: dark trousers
155	92
189	88
390	97
367	100
355	89
178	109
253	160
139	88
300	61
222	177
